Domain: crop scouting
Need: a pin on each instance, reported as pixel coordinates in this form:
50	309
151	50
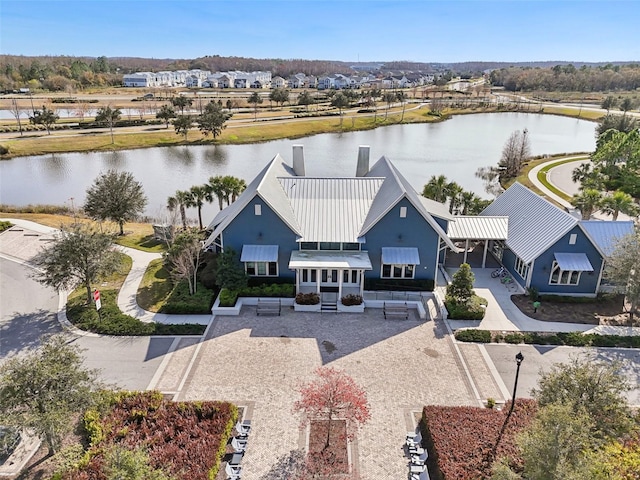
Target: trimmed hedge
389	284
460	440
573	339
187	440
228	297
472	310
111	320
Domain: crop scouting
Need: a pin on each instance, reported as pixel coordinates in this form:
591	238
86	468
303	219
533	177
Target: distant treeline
568	78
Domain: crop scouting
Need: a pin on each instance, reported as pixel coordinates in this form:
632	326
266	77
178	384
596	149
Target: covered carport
473	235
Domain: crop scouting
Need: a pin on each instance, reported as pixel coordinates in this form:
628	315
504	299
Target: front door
328	277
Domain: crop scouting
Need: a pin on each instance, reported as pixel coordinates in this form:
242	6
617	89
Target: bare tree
514	153
16	111
184	258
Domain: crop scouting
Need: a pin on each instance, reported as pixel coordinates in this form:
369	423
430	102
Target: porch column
318	280
466	248
361	278
297	280
340	273
484	254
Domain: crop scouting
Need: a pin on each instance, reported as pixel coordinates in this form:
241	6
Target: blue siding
265	229
509	261
543	264
412	231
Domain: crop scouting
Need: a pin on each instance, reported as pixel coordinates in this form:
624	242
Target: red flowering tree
333	395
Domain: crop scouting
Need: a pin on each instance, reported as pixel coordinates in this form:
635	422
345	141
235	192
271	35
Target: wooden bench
396	310
268	307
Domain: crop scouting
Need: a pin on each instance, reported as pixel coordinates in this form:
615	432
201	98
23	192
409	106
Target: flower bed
187	440
574	339
335	458
460	440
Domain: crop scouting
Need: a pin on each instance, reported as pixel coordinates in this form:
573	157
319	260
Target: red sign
96	295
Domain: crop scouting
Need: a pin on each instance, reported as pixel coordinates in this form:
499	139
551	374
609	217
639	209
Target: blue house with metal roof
329	234
550	250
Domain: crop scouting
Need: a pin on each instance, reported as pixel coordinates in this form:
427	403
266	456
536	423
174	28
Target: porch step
329	307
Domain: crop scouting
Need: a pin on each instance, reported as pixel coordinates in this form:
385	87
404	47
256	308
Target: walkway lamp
519	359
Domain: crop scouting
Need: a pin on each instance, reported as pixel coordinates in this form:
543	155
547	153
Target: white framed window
403	212
563	277
521	267
397	271
257	209
309	275
261	269
350	276
572	238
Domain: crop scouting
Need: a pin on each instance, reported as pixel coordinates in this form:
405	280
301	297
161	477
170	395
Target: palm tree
454	194
467	200
216	188
581	172
236	188
180	200
436	188
587	202
197	199
619	202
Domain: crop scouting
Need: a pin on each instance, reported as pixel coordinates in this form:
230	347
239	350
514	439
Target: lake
455	148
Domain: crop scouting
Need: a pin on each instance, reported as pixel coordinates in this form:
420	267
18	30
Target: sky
345	30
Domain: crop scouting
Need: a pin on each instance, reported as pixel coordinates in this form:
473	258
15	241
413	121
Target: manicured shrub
3	150
514	338
181	302
351	300
187	440
473	309
307	298
5	226
399	285
228	297
473	335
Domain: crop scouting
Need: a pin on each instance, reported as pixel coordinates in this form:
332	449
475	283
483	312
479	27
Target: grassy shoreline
239	133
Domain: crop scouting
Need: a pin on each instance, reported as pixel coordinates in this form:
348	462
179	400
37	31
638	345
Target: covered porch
473	235
336	273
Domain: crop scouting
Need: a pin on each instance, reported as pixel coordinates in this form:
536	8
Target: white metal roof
330	209
578	262
534	223
329	259
605	233
400	256
478	228
259	253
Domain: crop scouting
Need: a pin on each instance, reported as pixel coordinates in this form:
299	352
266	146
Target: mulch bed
336	457
606	311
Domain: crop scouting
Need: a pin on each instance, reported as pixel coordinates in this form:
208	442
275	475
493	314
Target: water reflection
455	148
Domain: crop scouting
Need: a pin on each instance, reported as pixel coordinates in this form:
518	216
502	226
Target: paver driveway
259	361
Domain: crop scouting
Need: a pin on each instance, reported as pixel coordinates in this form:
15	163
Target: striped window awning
577	262
259	253
400	256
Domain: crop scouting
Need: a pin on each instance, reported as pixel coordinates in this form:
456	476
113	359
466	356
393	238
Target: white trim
570	273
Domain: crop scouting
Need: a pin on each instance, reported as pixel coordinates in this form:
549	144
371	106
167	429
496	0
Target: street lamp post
519	359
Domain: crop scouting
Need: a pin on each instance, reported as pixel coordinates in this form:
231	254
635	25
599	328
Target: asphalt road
537	358
28	311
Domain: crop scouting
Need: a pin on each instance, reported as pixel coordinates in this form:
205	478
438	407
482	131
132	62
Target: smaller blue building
550	250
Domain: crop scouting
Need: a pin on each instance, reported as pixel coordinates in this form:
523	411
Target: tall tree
461	287
197	198
340	101
42	390
608	103
46	117
402	97
626	105
515	152
16	111
182	124
305	99
389	98
166	113
619	202
180	201
109	116
255	99
587	201
216	188
77	255
333	394
454	194
212	121
115	196
436	188
589	386
623	268
184	258
182	102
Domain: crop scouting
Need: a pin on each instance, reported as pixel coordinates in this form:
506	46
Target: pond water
455	148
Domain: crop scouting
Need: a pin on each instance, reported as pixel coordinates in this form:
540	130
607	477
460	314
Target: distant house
330	235
550	250
278	82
